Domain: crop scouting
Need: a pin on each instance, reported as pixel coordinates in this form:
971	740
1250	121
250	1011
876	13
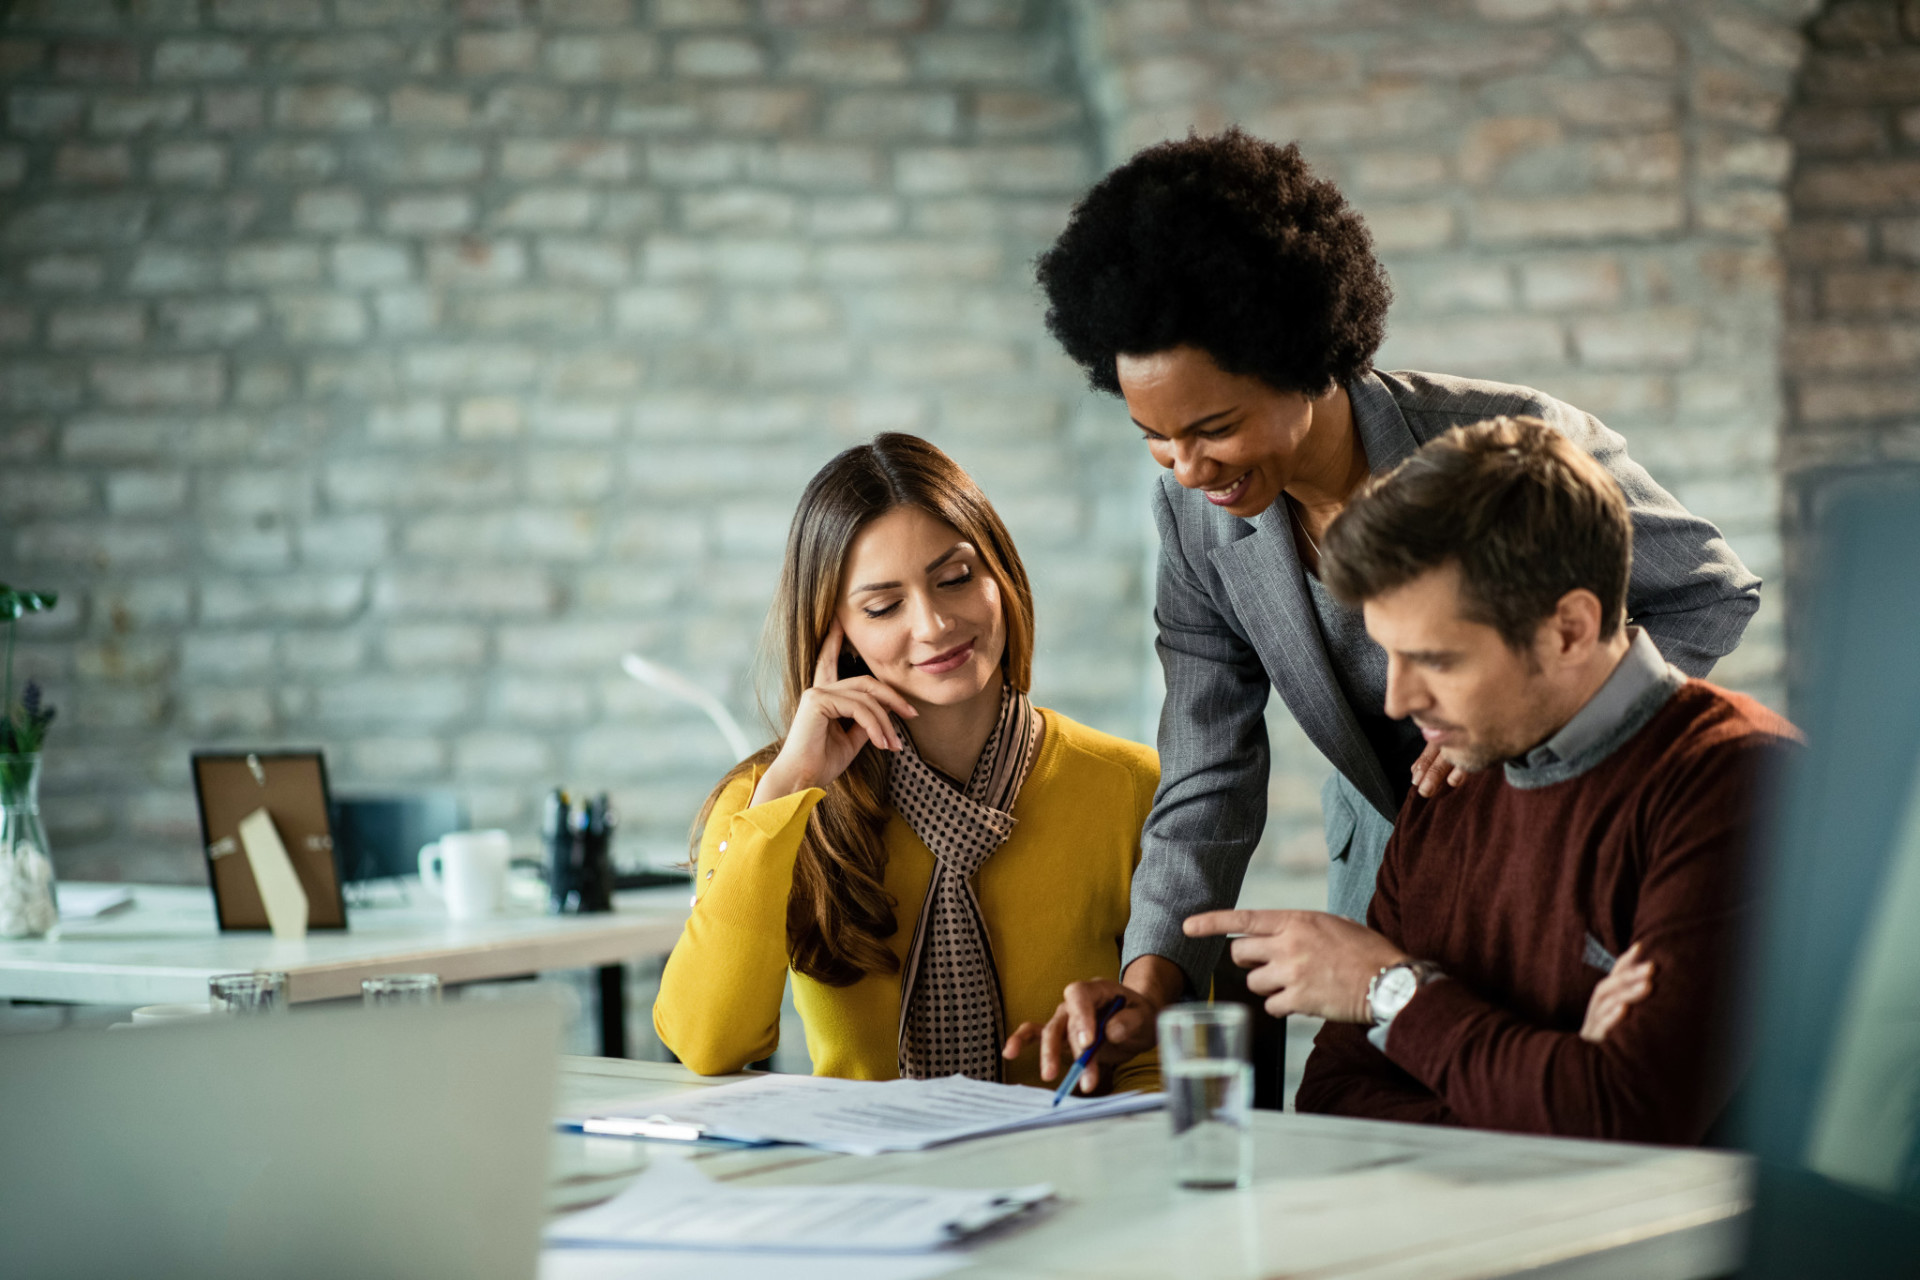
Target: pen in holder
578	834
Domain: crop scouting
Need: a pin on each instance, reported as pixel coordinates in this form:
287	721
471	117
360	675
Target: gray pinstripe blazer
1234	616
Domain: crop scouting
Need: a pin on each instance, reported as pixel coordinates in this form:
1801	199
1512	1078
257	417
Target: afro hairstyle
1225	243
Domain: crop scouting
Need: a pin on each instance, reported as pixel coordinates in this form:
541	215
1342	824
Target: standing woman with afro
1233	300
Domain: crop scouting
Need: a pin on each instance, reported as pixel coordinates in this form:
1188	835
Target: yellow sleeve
719	1002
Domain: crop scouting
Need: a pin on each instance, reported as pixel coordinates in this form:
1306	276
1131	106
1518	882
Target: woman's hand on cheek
834	720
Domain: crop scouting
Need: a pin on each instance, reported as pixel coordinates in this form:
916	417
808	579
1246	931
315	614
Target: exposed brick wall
1853	253
1579	195
378	371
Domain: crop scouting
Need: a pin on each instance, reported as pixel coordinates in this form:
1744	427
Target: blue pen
1086	1055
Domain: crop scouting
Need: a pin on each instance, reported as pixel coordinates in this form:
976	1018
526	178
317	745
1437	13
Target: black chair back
1269	1047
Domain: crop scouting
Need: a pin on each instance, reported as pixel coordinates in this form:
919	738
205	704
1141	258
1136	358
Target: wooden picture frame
292	786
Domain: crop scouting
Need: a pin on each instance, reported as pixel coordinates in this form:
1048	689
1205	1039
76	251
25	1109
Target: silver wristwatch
1395	985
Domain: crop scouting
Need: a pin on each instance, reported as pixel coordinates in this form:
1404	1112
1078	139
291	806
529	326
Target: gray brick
343	541
398	757
201	164
226	657
37	385
584	159
662	310
729	57
146	493
1663	338
535	534
294	598
140	383
326	107
77	164
499	592
416	700
583	261
26	494
420	160
322	318
745	210
122	547
287	262
415	422
440	212
81	220
1585	219
546	209
430	647
499	754
128	113
233	109
92	327
293	162
415	107
66	272
739	109
150	601
329	210
200	58
13	166
111	436
322	652
406	311
848	59
590	58
378	482
39	111
575	421
475	261
485	53
359	263
534	701
269	14
210	323
489	418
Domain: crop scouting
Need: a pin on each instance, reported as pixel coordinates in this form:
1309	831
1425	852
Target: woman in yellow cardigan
933	857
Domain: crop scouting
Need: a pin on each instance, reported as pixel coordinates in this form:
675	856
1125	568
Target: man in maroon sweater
1605	818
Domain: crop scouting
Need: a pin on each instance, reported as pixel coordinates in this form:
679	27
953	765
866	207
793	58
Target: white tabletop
165	947
1331	1197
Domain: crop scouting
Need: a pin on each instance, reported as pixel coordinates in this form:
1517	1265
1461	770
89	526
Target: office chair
1268	1047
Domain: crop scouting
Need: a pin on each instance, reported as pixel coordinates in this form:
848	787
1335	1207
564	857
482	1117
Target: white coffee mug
468	871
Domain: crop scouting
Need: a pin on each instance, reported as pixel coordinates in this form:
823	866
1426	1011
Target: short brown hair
1527	514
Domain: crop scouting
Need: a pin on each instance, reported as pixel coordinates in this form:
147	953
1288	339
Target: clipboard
292	787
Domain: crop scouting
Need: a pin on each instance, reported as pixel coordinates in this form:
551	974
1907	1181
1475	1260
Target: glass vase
26	869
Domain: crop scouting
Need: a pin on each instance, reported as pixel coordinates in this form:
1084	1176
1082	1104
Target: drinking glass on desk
248	993
400	989
1209	1083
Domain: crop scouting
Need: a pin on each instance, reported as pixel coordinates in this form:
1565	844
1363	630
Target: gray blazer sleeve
1212	802
1688	589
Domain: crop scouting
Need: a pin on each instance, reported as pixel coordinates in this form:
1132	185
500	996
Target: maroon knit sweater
1501	887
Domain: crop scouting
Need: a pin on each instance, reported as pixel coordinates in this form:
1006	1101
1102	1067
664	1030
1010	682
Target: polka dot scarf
951	1017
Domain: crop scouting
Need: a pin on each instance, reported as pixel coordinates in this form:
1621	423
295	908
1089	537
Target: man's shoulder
1705	716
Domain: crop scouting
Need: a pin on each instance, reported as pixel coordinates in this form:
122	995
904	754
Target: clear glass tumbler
1209	1083
400	988
248	993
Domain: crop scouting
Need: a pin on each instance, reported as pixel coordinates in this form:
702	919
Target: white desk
165	947
1331	1198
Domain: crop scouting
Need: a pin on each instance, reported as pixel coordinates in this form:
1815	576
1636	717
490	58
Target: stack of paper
860	1117
679	1212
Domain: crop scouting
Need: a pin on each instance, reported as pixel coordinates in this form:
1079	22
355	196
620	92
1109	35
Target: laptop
1832	1105
328	1143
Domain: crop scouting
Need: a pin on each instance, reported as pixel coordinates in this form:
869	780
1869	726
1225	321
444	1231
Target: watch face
1396	987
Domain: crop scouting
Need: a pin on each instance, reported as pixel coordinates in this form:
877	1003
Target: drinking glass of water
400	989
1209	1083
248	994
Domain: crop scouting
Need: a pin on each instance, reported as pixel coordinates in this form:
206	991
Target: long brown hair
840	914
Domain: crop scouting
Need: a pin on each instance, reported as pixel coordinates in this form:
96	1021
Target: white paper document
665	1209
90	901
661	1264
859	1117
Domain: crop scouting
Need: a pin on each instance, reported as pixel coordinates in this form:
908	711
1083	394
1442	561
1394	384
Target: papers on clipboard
859	1117
667	1209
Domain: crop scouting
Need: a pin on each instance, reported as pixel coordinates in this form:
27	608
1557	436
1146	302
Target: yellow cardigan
1055	897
